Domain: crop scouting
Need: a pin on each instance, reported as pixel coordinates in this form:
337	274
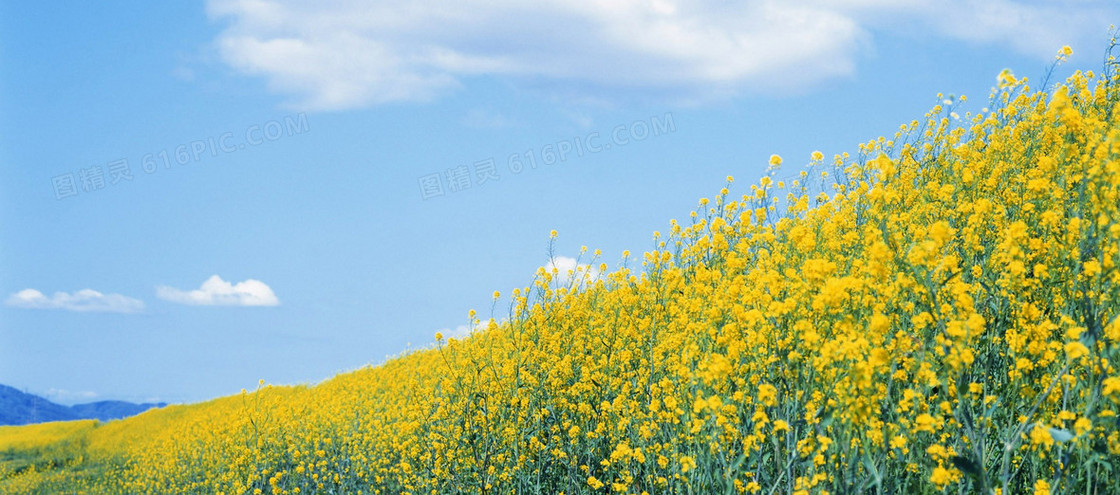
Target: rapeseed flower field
937	312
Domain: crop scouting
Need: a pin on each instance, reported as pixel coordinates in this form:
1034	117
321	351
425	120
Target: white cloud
568	268
353	54
463	331
83	300
218	292
349	53
63	396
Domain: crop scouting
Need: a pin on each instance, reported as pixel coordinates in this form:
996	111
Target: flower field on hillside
944	316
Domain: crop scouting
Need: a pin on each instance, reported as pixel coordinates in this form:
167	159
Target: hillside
934	313
19	408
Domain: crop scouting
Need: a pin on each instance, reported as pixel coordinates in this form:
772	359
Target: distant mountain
19	408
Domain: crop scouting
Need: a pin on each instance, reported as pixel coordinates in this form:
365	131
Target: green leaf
1060	435
966	466
991	410
825	417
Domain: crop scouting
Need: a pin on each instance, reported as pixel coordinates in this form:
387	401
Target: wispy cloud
1035	28
350	53
217	292
480	118
82	300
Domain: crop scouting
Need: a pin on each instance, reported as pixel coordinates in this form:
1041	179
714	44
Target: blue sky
196	196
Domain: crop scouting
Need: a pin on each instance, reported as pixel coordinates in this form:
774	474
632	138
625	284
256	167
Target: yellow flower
768	394
1076	350
1041	487
898	442
879	323
878	357
940	232
1111	387
1040	435
925	422
688	463
941	476
1112	331
1091	268
1082	426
